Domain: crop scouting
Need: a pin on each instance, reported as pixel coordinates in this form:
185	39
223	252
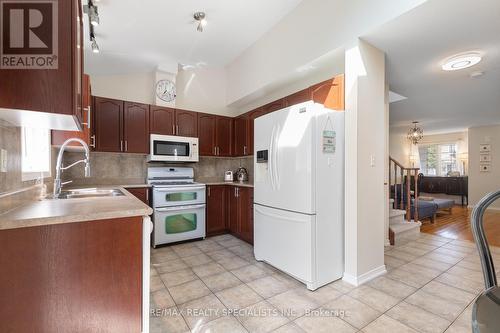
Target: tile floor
216	285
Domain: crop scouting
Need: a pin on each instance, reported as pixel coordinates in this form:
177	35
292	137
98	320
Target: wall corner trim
365	277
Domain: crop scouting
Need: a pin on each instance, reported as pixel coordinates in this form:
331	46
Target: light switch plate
3	160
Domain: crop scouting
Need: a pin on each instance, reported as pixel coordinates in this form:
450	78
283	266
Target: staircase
401	231
403	184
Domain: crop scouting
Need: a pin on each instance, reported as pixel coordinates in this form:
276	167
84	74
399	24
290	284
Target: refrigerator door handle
271	161
276	157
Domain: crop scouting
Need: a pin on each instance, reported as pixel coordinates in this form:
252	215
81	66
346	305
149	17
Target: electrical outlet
372	160
3	160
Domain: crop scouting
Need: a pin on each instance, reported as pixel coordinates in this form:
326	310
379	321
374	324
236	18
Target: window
438	159
35	159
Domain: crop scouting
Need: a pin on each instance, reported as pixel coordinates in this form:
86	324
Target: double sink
90	193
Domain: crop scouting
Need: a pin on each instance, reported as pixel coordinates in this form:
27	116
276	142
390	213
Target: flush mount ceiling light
202	21
415	133
461	61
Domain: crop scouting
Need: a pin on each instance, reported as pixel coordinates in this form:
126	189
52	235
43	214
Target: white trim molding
365	277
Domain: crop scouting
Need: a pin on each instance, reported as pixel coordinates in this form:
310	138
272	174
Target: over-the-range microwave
171	148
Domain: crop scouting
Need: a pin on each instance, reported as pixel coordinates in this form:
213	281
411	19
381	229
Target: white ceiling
140	35
417	42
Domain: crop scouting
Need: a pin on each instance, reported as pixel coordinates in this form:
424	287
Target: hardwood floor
457	225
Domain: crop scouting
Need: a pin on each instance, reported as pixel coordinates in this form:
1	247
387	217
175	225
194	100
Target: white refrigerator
299	192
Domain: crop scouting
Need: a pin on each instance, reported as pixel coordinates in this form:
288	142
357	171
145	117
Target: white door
286	180
284	240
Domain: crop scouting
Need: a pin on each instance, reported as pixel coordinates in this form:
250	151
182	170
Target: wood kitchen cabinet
55	91
108	115
299	97
121	126
215	135
186	123
241	140
73	277
141	193
273	106
58	137
136	128
216	217
161	120
241	212
330	93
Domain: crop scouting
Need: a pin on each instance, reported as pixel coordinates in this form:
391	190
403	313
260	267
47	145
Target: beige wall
481	183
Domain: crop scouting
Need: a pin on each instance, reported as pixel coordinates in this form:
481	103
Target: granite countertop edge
50	212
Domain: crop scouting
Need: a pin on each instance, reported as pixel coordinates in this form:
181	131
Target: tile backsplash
123	169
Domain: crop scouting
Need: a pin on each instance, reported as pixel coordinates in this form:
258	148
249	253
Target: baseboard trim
495	209
365	277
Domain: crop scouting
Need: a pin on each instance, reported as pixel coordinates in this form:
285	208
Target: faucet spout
59	168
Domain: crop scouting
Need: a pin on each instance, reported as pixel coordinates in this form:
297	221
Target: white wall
311	30
202	90
481	183
366	142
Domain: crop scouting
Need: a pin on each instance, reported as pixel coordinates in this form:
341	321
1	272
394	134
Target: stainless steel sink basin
90	193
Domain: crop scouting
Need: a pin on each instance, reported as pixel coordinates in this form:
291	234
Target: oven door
174	224
178	196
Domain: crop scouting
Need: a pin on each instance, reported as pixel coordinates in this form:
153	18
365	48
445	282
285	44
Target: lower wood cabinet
216	217
141	193
230	209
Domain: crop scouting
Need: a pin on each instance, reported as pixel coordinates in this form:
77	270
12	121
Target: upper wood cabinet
162	120
186	123
136	128
207	134
299	97
108	115
215	135
58	137
241	137
273	106
330	93
55	90
224	133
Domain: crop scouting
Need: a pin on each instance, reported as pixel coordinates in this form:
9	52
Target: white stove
178	204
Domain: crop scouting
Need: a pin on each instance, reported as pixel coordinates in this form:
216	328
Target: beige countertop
222	182
49	211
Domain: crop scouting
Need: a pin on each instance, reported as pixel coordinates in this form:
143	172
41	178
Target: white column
366	127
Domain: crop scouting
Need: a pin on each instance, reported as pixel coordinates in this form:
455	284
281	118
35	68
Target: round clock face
165	90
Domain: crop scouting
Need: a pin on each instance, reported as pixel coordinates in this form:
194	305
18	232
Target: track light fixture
202	21
91	10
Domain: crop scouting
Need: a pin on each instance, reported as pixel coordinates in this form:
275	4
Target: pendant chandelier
415	133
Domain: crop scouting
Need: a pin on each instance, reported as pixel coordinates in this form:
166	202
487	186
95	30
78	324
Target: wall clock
165	90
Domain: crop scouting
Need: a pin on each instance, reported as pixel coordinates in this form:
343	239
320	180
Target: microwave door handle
175	209
177	189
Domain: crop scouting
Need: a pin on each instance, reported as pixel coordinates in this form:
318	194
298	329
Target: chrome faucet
59	168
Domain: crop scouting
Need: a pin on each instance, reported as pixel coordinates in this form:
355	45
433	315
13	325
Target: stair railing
403	180
490	279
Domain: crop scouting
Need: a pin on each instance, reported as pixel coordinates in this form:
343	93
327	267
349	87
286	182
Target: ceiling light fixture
91	10
95	47
202	21
461	61
415	133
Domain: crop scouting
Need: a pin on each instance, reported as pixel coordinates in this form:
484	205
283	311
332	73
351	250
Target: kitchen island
75	265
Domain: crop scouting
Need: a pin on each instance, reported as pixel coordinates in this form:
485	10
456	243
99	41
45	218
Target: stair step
404	226
405	232
397	212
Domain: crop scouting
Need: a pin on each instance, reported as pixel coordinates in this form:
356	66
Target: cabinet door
108	114
141	193
330	93
186	123
136	128
161	120
273	106
240	141
224	130
58	137
207	137
216	210
245	213
298	97
233	221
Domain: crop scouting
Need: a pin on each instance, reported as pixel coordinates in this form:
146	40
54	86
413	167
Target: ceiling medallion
415	133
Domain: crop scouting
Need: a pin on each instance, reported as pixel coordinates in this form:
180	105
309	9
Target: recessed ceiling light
461	61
